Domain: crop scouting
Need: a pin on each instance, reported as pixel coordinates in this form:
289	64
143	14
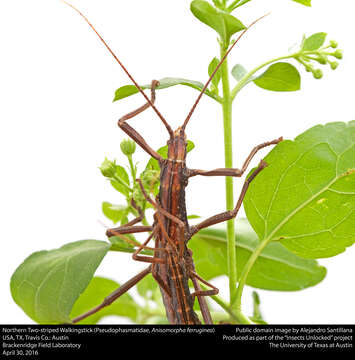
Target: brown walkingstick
172	264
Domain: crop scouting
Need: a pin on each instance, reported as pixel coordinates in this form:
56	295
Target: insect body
172	264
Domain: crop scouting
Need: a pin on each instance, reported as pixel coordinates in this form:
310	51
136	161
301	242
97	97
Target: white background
58	123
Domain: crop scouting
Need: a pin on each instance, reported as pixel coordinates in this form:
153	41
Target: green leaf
304	2
279	77
122	174
118	244
275	269
113	212
95	293
223	23
47	284
121	181
147	287
193	217
238	72
314	42
305	198
217	76
170	81
128	90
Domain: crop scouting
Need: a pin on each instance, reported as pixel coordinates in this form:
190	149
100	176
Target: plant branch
228	154
244	275
246	78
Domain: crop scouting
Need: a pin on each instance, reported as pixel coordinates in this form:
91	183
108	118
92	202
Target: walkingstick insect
172	264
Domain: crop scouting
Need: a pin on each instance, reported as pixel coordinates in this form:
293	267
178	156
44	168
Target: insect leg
121	230
129	228
149	259
200	292
227	215
133	133
162	211
231	171
115	295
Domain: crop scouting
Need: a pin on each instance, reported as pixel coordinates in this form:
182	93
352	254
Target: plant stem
231	7
228	155
223	305
247	77
245	273
133	171
238	317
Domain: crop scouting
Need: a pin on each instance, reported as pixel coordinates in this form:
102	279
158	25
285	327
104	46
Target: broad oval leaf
305	198
279	77
223	23
47	284
314	42
275	269
95	293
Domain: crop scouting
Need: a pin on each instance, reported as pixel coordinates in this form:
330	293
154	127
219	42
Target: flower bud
322	59
338	54
309	68
333	65
128	147
108	168
333	44
317	73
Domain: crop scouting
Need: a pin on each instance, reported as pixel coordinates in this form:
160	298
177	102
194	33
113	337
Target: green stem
133	171
246	78
245	273
223	305
228	154
232	6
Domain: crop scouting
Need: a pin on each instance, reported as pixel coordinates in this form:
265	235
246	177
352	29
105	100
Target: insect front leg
231	171
133	134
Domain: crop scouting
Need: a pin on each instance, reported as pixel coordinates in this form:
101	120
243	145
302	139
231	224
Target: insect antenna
216	69
170	131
